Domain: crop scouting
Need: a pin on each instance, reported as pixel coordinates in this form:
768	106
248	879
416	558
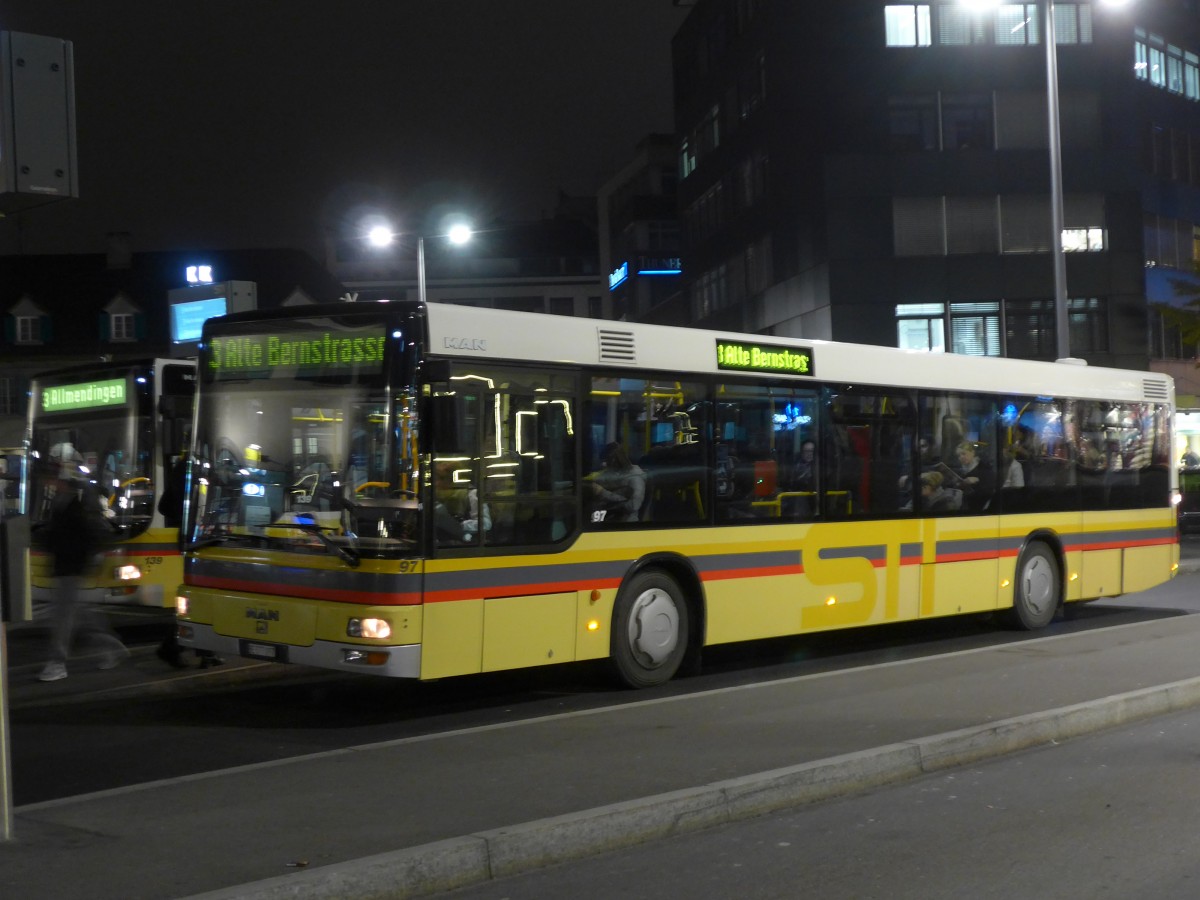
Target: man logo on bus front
464	343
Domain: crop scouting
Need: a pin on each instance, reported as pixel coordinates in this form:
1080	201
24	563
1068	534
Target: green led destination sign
746	357
85	395
309	353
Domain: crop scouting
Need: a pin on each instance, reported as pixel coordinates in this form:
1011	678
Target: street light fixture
1057	215
382	236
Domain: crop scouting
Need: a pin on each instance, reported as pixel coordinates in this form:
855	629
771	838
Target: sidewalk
413	816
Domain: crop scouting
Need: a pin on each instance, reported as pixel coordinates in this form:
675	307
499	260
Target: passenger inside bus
458	515
617	491
935	497
974	477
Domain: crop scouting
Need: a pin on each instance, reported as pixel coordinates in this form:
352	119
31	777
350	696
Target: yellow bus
433	490
116	429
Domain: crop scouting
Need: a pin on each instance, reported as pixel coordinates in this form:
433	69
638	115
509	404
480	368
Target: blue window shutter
103	327
47	329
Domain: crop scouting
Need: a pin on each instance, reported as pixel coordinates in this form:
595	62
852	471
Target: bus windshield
302	444
98	432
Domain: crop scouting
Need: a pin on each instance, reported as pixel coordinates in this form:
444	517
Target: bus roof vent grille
616	346
1155	390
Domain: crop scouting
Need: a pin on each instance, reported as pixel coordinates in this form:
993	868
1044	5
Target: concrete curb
476	858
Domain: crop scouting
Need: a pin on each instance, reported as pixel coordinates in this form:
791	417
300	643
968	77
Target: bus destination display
747	357
85	395
307	353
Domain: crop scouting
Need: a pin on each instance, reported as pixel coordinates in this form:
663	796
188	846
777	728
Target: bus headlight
127	572
181	604
369	628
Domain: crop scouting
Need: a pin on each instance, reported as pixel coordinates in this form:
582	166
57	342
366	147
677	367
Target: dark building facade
879	172
639	229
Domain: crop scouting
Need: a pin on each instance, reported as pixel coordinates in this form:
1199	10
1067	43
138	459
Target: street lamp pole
421	269
1057	216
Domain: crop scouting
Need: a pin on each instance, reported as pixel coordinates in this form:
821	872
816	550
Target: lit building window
1018	23
121	325
907	25
975	328
28	331
921	326
1079	240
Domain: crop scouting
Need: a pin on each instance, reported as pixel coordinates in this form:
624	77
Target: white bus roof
465	331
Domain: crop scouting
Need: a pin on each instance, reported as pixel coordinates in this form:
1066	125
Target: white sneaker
114	657
54	671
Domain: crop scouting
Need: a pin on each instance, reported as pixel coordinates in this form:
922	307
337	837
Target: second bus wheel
650	629
1037	590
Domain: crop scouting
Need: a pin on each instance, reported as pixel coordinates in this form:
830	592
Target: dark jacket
71	538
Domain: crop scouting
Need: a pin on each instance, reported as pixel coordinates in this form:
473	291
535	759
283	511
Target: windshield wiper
209	541
349	556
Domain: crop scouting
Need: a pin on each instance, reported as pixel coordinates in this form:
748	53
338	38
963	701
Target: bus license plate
261	651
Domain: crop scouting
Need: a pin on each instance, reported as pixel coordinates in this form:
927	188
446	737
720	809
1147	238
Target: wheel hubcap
654	626
1038	585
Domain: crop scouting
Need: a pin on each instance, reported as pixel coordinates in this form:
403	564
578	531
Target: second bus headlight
127	572
369	628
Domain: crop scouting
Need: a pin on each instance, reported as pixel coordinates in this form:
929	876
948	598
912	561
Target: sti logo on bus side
464	343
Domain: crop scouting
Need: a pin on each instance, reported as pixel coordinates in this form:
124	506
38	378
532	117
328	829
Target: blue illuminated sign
659	265
187	319
618	276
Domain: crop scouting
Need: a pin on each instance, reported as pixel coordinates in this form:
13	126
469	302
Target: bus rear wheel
650	629
1037	592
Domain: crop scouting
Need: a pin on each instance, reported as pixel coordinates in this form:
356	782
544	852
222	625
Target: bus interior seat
766	477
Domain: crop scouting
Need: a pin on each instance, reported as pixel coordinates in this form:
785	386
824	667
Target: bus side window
662	424
869	451
514	442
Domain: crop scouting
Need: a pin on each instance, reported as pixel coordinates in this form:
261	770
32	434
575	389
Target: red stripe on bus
730	574
519	590
410	598
967	557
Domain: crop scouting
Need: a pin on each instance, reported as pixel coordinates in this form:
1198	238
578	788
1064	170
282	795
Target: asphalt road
1110	815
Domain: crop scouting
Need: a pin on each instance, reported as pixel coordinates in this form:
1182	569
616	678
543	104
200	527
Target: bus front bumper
396	662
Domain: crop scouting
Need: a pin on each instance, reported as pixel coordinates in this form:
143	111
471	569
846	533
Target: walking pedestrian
72	538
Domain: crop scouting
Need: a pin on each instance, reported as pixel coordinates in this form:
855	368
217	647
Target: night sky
265	123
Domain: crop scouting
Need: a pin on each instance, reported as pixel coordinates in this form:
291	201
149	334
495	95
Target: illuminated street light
381	235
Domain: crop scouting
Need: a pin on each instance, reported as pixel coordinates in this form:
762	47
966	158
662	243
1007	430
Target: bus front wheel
1038	589
650	629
